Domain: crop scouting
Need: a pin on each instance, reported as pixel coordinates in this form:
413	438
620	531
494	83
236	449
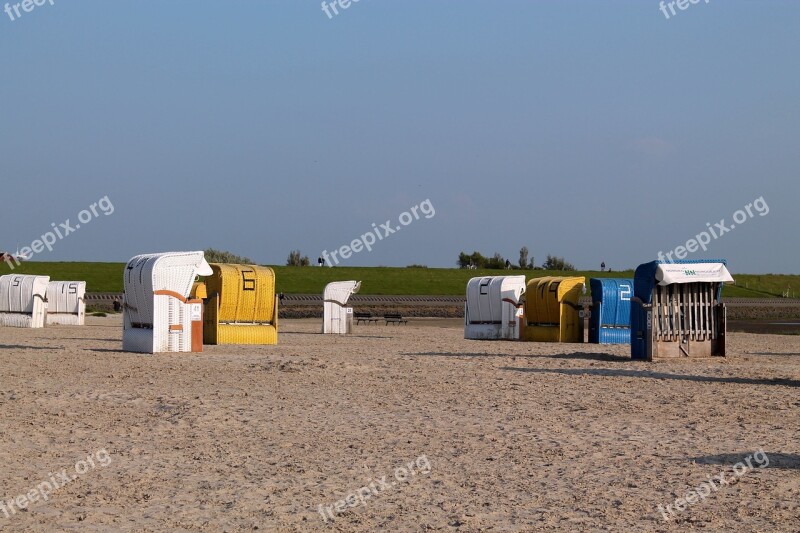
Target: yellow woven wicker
199	291
551	310
241	307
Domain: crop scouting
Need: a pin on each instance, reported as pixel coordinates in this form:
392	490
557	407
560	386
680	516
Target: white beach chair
158	314
493	309
336	317
65	303
23	302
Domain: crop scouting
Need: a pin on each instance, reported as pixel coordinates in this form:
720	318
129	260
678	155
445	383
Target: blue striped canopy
611	313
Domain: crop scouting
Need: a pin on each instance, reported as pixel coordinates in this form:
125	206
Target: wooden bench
394	318
365	317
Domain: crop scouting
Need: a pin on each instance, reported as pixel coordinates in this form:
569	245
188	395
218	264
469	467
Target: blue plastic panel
611	312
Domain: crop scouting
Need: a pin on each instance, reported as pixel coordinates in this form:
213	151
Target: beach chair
493	309
66	304
336	317
552	312
677	309
610	322
158	313
241	307
23	300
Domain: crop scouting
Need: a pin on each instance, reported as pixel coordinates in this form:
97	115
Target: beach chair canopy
335	316
241	307
23	300
552	311
610	321
487	295
65	302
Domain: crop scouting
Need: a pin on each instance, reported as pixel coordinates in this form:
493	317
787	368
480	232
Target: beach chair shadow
465	354
789	461
630	373
21	347
607	357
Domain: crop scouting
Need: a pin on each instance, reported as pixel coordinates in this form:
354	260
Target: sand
501	436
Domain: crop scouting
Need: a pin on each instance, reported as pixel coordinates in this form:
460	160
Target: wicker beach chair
552	312
158	314
23	300
336	318
241	307
493	309
65	303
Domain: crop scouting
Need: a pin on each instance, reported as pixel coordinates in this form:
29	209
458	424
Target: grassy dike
107	277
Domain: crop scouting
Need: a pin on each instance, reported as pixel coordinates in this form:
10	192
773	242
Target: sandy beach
440	433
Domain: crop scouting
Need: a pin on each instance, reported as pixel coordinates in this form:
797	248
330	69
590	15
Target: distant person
320	262
508	264
602	266
117	305
280	297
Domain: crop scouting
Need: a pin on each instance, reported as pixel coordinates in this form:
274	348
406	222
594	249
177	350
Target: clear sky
597	131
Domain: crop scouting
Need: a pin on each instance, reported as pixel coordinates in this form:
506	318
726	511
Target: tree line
497	261
473	260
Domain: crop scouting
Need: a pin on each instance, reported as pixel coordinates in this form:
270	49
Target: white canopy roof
340	291
204	269
669	273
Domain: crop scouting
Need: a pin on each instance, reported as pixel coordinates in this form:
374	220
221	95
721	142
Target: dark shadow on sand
349	335
458	354
789	461
607	357
613	372
21	347
87	339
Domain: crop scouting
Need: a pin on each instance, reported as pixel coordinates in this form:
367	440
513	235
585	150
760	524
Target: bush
557	263
477	260
295	259
219	256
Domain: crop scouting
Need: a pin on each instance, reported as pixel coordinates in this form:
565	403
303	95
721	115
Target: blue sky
597	131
